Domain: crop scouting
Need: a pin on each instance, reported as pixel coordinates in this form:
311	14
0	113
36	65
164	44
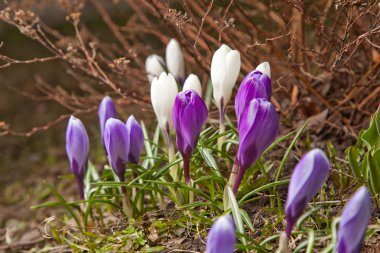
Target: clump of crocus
221	237
77	147
136	139
225	68
354	221
308	177
175	61
163	92
258	127
154	66
106	110
192	83
189	115
254	85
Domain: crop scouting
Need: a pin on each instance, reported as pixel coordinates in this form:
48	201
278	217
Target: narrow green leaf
247	220
236	214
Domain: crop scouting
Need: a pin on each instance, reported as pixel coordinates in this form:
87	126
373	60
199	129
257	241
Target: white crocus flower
264	68
174	60
154	66
192	83
162	93
225	68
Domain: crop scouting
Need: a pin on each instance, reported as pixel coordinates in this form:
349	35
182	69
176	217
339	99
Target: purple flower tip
221	237
106	110
354	222
308	177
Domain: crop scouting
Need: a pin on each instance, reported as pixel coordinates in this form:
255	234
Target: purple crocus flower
221	237
77	147
136	139
307	178
353	224
189	115
254	85
258	128
106	110
116	141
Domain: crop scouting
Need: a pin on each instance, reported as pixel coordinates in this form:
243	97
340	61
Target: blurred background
61	57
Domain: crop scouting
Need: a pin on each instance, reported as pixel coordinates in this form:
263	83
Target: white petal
154	66
233	69
163	93
174	59
192	83
218	72
264	68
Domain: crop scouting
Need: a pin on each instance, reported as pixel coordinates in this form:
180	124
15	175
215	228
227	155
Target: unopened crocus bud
117	144
175	61
354	222
192	83
308	177
254	85
258	128
154	66
136	139
221	237
106	110
163	92
189	115
264	68
225	68
77	148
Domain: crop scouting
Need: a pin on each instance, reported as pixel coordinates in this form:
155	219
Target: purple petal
136	139
258	128
106	110
354	222
308	177
254	85
117	144
189	115
221	237
77	146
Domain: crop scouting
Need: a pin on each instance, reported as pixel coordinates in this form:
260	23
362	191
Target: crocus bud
106	110
117	144
258	128
175	61
353	225
136	139
189	115
162	93
154	66
192	83
77	147
264	68
308	177
221	237
225	68
254	85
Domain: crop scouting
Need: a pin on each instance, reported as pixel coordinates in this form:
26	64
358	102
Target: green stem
222	128
230	183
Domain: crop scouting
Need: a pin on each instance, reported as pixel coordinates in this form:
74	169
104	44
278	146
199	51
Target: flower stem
126	203
80	187
186	169
171	153
230	183
283	245
222	128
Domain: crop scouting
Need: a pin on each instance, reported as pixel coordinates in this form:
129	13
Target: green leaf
209	159
371	136
374	171
352	155
236	214
247	220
